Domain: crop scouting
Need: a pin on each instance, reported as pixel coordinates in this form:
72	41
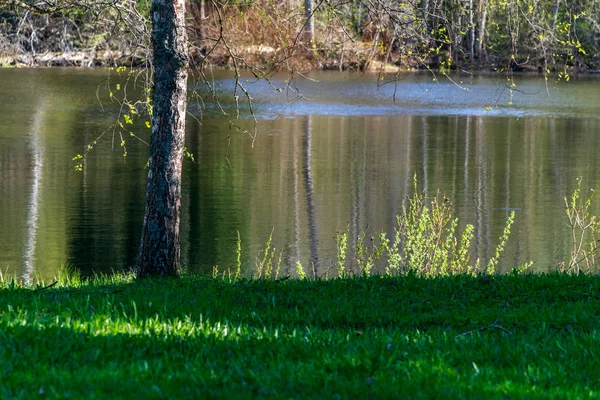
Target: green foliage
238	253
130	112
341	240
69	275
266	268
300	270
424	242
366	256
493	262
584	229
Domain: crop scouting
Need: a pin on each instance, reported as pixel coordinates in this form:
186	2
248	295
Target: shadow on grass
356	338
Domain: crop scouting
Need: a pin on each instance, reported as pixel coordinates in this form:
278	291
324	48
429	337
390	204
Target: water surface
342	156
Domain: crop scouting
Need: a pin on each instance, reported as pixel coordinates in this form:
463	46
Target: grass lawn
505	337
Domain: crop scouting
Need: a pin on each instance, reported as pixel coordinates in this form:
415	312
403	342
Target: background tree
309	25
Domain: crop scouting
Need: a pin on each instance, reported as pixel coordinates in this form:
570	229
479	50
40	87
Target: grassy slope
355	338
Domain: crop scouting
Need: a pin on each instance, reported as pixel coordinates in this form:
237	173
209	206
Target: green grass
512	336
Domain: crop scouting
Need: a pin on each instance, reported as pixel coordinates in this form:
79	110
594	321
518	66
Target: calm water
344	156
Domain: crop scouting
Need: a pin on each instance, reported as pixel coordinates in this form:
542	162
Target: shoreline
259	57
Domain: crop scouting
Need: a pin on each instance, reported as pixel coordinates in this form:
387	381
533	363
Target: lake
342	156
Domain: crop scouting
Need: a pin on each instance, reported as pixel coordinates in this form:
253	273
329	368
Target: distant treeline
547	35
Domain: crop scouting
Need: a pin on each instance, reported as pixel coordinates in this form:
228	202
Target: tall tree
481	29
159	248
309	27
471	33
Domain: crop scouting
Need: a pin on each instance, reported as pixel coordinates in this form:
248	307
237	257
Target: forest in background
385	35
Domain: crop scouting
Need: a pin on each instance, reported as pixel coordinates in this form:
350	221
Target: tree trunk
471	34
554	17
481	28
202	20
425	15
309	28
357	18
159	249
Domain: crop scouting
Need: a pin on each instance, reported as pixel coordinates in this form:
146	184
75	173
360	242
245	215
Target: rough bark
160	249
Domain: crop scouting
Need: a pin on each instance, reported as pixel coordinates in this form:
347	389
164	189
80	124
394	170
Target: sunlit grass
527	336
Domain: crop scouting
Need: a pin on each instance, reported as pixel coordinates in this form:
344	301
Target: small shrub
424	242
584	230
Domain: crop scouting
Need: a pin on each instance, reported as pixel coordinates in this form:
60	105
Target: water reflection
34	200
310	204
309	176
